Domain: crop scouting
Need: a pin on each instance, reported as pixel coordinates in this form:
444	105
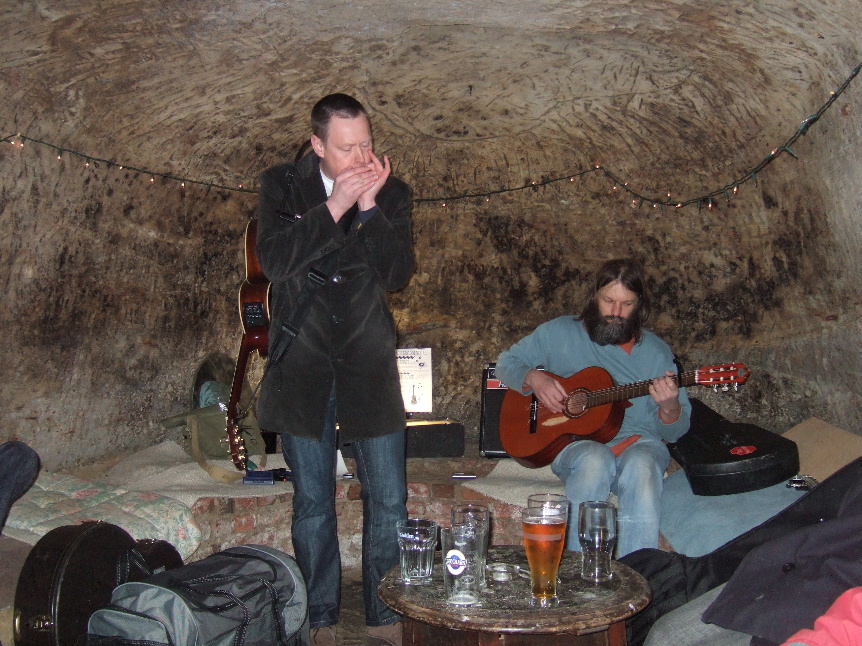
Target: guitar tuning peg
736	387
715	388
725	388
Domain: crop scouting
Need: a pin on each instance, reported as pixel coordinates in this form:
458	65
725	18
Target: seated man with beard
609	333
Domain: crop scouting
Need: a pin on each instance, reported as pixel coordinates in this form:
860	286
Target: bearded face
613	318
613	330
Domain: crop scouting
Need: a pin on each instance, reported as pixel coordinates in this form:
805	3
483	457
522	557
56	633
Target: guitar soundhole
576	404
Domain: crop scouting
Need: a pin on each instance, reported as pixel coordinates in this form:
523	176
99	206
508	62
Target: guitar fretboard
637	389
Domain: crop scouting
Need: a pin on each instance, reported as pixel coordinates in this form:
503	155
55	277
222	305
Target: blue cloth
380	463
19	466
696	525
589	470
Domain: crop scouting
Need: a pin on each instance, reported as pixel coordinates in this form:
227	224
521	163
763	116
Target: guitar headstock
722	376
236	445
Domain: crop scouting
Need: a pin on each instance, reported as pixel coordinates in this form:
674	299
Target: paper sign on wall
414	368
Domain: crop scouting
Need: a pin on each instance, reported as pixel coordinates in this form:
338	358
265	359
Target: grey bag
243	596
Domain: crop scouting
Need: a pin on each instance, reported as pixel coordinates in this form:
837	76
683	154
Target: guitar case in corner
721	457
72	571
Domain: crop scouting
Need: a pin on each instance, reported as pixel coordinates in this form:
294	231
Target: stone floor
351	628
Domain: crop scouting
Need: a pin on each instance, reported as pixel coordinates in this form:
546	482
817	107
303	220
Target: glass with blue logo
461	555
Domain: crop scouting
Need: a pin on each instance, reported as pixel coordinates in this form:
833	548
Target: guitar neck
637	389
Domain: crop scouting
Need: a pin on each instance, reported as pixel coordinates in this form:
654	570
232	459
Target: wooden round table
587	614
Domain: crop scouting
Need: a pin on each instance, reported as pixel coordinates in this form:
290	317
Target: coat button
788	567
337	278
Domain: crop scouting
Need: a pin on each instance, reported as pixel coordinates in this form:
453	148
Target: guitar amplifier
493	391
429	438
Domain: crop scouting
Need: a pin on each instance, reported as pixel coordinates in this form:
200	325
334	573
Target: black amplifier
429	438
493	391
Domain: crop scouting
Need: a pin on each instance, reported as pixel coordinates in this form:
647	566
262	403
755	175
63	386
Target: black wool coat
348	337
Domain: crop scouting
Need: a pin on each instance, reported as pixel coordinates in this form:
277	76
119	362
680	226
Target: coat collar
308	180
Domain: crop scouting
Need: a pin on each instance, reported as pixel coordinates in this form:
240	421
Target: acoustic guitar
255	316
593	410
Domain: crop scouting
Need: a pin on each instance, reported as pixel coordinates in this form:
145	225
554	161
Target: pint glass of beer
544	539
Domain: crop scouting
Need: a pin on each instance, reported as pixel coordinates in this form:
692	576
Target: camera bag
249	595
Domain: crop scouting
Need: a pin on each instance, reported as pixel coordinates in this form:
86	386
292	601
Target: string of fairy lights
709	200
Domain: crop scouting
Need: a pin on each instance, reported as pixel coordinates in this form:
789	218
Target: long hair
629	273
333	105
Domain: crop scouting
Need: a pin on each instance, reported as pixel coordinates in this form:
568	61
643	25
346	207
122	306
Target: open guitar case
72	571
721	457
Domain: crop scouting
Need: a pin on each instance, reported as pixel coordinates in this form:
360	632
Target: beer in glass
544	539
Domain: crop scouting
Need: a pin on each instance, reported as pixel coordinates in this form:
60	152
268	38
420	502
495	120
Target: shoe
389	634
323	636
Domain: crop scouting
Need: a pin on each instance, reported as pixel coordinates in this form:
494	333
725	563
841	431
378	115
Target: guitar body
254	315
594	410
533	436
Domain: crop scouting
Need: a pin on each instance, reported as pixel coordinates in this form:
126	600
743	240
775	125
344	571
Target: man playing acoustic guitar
609	334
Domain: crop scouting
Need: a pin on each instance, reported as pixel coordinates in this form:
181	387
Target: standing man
339	199
609	333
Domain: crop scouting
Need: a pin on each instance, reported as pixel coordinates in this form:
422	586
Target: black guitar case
721	457
72	571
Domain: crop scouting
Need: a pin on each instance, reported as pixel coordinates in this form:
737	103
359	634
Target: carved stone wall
120	276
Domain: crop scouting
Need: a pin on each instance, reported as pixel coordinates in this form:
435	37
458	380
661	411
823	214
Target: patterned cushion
56	500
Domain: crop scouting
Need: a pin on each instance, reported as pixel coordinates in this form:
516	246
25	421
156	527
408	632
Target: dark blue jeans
380	463
19	466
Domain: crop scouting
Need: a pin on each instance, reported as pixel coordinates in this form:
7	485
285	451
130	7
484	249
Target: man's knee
585	460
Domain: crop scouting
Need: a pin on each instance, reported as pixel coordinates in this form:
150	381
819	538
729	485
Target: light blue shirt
563	347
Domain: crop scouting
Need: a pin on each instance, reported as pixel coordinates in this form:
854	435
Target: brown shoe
324	636
389	634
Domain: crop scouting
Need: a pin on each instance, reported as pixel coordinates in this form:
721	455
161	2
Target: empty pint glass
597	533
479	517
544	539
417	538
461	563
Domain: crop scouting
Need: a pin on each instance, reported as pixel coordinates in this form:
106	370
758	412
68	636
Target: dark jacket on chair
780	576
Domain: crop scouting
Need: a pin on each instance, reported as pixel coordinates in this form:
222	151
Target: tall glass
479	517
461	563
544	539
597	533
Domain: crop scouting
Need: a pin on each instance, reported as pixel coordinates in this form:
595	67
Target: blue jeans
591	471
380	463
19	466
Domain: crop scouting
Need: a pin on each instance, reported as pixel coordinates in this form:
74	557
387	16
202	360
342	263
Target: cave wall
121	266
